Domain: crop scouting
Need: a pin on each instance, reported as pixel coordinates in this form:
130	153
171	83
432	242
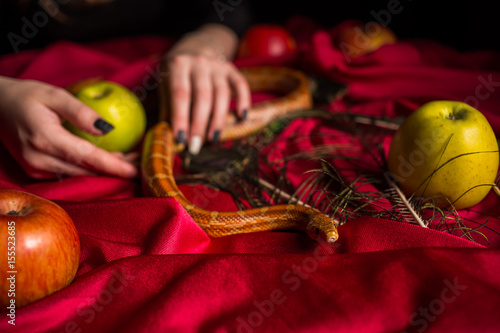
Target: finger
242	89
43	166
222	97
73	110
132	158
118	154
202	107
180	97
80	152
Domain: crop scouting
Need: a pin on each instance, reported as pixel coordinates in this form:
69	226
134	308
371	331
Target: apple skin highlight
119	107
445	151
360	39
266	40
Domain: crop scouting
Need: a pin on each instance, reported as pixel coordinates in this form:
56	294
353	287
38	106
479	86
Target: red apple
266	40
358	39
39	248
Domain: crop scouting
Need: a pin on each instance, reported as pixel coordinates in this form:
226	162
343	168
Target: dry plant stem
354	204
322	194
281	183
157	165
406	202
496	190
251	200
427	180
376	122
159	148
309	185
370	202
282	194
347	195
319	152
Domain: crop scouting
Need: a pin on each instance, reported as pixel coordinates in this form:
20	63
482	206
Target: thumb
76	112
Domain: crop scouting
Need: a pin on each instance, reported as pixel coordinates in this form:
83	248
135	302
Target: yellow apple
446	151
360	39
118	106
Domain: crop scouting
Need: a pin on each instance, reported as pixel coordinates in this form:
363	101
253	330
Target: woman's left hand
201	81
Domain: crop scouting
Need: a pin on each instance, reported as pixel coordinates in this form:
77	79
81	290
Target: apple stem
451	116
14	213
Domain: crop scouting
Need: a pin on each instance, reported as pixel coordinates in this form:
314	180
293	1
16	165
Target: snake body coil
160	147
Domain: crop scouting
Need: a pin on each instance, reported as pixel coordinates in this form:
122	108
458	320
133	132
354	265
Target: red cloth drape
147	267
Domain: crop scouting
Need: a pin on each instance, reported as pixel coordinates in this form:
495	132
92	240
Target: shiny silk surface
146	266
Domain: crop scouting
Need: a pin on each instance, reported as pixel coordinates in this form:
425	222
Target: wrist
211	40
214	47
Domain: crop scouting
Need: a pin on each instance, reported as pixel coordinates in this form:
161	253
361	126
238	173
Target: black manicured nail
245	114
216	137
103	125
181	137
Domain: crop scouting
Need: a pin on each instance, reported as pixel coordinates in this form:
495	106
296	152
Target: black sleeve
238	16
37	25
184	16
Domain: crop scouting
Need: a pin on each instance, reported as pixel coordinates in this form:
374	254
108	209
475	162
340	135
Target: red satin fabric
147	267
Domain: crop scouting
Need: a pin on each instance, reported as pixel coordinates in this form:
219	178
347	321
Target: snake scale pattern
159	149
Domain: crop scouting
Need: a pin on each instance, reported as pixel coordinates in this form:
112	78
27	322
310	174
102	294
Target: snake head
321	225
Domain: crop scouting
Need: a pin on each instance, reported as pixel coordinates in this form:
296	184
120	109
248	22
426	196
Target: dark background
466	25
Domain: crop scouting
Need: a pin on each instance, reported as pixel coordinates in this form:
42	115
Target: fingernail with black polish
181	137
245	114
216	137
103	125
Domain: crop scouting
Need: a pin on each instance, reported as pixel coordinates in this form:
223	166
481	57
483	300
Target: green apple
447	151
118	106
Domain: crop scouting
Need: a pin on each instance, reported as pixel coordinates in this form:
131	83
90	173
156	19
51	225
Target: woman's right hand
31	115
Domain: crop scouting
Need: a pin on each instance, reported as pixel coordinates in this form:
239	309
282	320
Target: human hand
31	115
200	82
